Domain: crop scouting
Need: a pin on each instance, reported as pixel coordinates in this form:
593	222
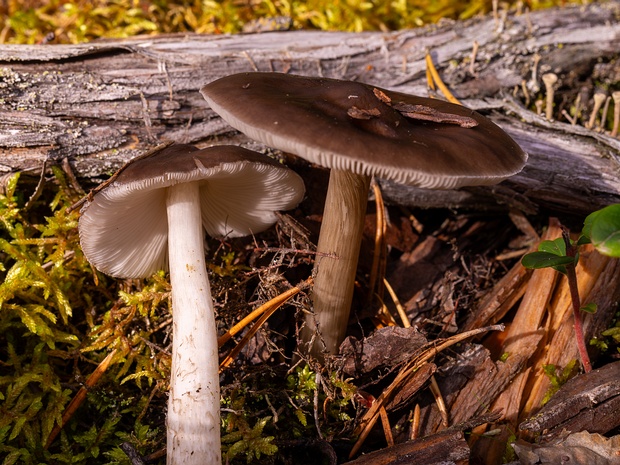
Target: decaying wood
525	331
469	383
598	282
587	402
580	448
493	449
507	374
423	264
102	103
542	334
441	448
446	447
522	338
410	374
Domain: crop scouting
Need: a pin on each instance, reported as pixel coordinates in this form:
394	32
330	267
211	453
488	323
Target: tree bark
102	103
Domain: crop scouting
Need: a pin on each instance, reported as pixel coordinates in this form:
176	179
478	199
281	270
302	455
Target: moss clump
73	21
558	377
57	322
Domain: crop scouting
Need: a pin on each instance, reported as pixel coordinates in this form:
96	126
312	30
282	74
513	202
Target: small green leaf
556	247
603	229
12	457
583	240
301	416
613	333
587	224
589	308
537	260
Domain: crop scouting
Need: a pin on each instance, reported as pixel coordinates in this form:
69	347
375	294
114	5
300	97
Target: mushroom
151	216
360	131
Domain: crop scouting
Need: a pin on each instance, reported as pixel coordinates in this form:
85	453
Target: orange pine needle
432	71
387	429
266	310
379	252
79	398
279	300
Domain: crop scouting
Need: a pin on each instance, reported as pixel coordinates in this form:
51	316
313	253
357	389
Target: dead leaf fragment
578	448
387	346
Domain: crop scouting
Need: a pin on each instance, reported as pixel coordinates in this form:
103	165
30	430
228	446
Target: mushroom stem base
336	263
193	419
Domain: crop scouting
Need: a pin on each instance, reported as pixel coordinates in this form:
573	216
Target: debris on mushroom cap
354	126
123	227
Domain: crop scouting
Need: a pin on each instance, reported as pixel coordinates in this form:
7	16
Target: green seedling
562	255
602	229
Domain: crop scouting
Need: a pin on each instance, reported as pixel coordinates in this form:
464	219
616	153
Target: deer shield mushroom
152	215
359	131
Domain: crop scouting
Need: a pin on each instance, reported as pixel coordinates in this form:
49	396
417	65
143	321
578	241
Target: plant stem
193	419
571	251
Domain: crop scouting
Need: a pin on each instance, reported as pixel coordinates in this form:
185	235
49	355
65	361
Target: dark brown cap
368	130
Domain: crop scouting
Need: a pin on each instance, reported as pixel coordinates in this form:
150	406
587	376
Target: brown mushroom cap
367	130
124	229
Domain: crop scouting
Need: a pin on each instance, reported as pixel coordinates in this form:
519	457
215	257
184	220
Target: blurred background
65	21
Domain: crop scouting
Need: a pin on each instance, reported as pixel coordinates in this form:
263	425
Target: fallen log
102	103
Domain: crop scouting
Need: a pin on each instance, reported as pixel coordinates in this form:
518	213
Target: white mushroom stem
193	420
336	261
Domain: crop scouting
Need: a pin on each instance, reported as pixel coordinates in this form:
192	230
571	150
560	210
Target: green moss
57	322
79	20
243	439
558	377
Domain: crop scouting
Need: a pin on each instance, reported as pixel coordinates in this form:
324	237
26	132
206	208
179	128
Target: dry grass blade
377	271
441	404
429	77
415	423
387	429
399	307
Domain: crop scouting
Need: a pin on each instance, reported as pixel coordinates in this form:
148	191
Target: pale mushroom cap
124	229
312	118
